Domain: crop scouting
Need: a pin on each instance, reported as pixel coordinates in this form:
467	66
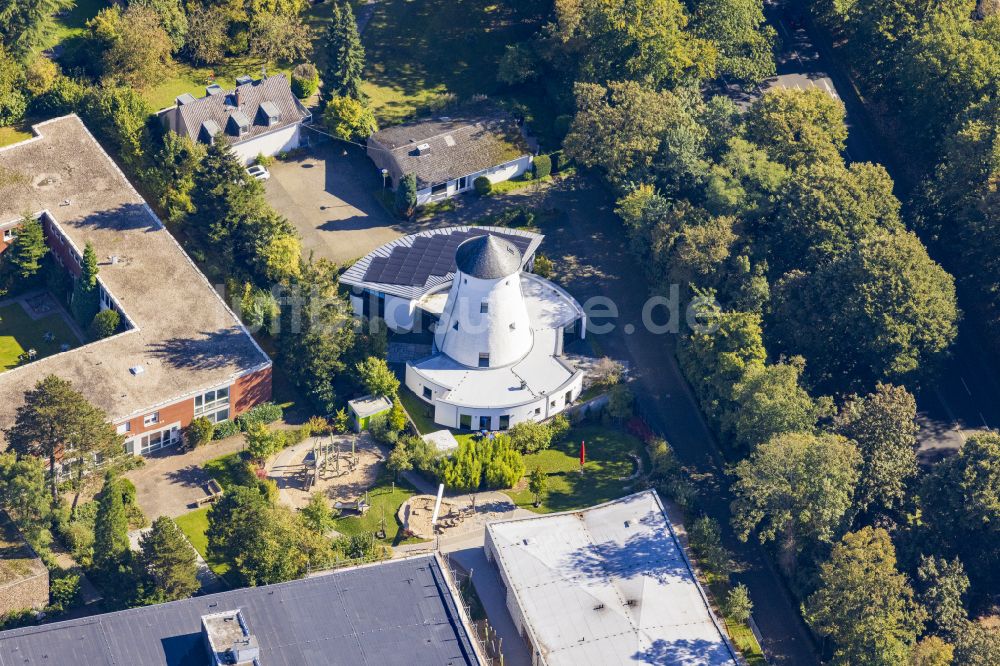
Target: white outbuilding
498	329
606	585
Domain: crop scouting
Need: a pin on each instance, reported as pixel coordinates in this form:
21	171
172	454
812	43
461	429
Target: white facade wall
503	331
269	145
496	174
449	415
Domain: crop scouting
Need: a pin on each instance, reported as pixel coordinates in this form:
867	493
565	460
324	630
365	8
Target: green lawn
383	498
188	79
9	135
608	463
195	525
420	412
19	332
227	469
73	22
419	52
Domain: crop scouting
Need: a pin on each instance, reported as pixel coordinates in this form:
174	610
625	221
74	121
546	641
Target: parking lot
329	195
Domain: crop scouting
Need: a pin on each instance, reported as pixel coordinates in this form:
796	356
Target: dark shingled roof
488	257
221	107
457	146
400	612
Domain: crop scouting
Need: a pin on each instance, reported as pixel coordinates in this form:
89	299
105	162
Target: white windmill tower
485	321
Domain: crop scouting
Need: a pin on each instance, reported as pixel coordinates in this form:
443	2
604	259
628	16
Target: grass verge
604	474
385	498
195	526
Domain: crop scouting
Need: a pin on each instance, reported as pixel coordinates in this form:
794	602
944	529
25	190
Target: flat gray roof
185	337
609	585
400	612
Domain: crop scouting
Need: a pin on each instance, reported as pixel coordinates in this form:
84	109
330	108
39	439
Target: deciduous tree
795	487
864	605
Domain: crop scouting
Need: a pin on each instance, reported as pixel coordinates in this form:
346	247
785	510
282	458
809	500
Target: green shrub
200	431
224	429
305	80
262	414
543	266
483	185
541	166
406	195
559	425
64	590
105	324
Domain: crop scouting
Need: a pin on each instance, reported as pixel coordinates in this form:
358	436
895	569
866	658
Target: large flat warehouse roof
609	585
184	337
401	612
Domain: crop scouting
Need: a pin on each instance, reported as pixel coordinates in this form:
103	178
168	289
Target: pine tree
29	248
111	545
86	295
169	561
345	54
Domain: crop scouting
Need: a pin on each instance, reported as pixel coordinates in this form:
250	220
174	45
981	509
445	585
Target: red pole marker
583	452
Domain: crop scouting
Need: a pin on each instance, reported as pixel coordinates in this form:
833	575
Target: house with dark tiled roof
447	154
261	117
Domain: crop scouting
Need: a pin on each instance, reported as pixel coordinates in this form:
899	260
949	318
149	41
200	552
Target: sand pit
415	515
293	470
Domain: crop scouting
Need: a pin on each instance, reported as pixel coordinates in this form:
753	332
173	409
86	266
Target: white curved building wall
503	331
450	415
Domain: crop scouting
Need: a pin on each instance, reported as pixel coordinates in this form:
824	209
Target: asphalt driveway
329	195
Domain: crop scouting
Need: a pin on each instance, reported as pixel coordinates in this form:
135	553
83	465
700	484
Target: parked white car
259	171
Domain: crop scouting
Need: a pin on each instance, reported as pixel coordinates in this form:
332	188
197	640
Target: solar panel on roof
427	256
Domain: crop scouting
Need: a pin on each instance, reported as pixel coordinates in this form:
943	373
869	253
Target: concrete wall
287	138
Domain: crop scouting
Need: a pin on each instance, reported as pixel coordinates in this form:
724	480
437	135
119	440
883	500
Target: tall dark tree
29	248
56	420
25	495
169	561
86	294
943	583
345	54
883	425
24	24
111	544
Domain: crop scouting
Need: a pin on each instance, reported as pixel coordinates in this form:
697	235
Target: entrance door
485	422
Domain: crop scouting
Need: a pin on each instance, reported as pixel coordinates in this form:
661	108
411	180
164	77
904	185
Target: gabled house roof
441	149
248	106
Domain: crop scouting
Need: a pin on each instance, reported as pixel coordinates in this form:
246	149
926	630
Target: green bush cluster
305	80
541	166
484	463
262	414
483	185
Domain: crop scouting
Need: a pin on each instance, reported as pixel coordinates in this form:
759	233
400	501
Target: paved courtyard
170	483
329	195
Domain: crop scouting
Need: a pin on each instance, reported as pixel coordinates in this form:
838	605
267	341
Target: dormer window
239	124
484	307
269	114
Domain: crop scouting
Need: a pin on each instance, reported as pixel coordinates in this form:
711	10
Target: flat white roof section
608	585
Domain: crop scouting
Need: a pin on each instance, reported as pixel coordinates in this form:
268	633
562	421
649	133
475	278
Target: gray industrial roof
488	257
398	612
456	147
408	266
221	108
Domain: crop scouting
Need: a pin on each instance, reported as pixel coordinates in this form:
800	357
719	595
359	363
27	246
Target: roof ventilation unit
424	149
244	79
213	89
137	370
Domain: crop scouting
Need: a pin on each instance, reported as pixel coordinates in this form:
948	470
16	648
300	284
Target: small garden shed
362	409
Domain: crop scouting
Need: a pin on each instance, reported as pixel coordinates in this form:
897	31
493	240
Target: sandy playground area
343	476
